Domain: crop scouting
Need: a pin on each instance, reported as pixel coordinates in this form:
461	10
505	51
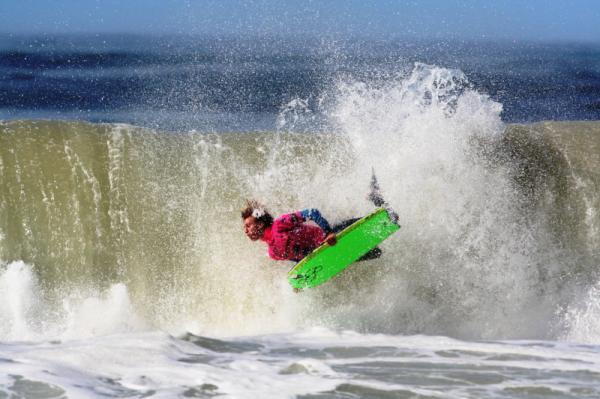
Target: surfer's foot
376	199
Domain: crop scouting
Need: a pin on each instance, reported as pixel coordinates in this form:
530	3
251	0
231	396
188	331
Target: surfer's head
256	219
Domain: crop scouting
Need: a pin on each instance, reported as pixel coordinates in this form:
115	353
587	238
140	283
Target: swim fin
377	199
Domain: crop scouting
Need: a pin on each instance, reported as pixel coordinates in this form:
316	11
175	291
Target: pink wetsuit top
289	238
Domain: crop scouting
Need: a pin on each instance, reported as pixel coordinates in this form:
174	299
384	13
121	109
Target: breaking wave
140	228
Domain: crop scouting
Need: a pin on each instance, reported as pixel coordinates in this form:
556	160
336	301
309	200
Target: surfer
290	237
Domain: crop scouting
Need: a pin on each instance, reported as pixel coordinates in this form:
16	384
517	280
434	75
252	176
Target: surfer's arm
287	222
291	220
314	215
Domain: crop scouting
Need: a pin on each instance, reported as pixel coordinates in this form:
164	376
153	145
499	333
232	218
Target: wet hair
256	209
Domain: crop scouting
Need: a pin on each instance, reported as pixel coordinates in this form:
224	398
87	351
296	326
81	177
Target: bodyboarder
292	237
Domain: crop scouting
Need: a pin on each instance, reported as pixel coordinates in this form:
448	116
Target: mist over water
141	228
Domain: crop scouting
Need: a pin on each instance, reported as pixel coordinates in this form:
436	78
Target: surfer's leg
377	199
375	194
342	225
372	254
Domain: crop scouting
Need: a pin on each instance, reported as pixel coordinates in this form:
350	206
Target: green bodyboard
352	243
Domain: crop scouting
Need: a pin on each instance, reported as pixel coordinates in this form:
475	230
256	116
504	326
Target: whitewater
125	272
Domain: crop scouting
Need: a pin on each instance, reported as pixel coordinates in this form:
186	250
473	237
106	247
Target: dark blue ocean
242	84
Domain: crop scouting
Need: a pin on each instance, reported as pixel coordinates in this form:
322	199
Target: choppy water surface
312	364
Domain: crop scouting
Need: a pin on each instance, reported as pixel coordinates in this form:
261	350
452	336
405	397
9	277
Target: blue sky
467	19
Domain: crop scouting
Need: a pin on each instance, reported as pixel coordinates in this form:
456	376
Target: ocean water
124	271
242	84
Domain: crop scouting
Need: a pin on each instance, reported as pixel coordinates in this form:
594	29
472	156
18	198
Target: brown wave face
557	167
90	205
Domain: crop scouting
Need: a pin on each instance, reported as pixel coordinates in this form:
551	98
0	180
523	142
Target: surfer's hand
330	239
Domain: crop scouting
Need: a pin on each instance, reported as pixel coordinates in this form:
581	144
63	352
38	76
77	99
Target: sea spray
26	314
18	289
446	272
475	258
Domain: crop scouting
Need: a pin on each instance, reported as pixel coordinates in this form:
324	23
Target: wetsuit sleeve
314	215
